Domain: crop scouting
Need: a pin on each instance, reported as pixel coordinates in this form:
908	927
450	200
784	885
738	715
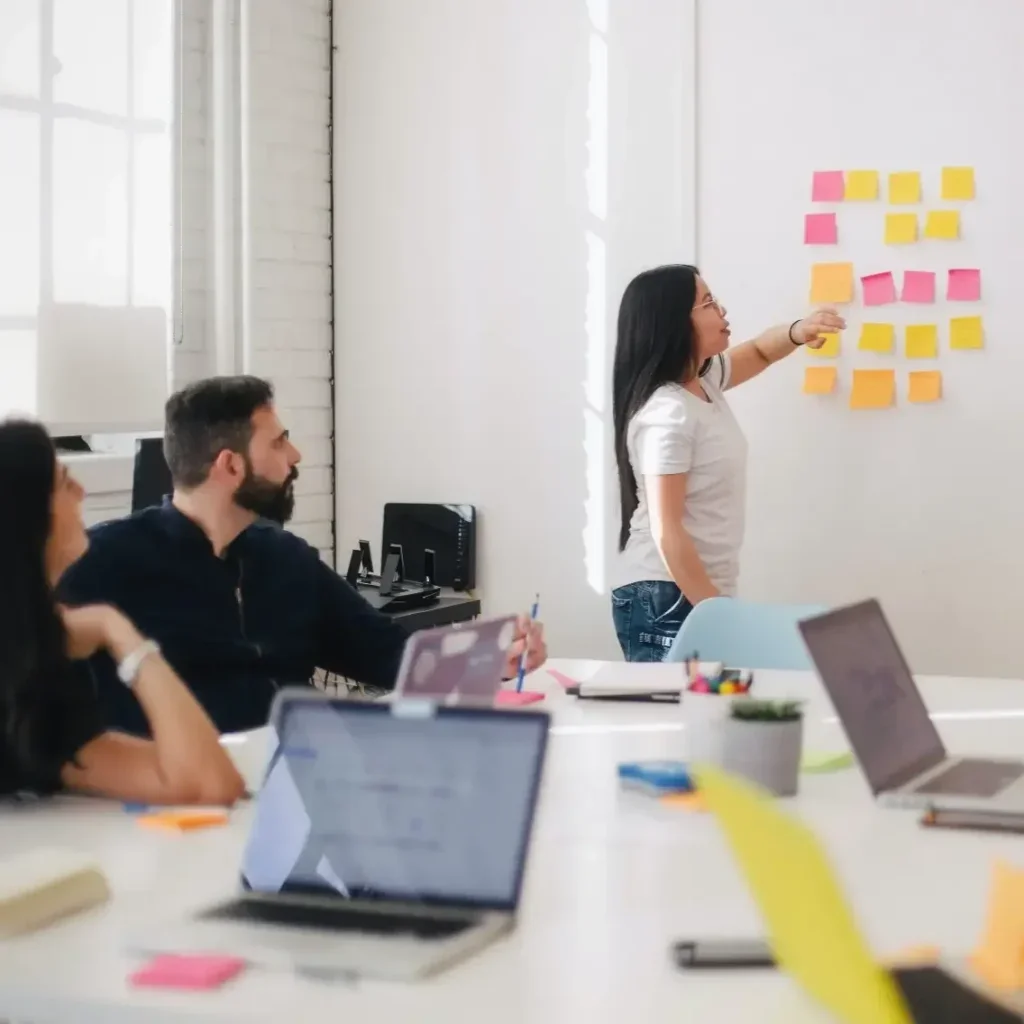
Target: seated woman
51	734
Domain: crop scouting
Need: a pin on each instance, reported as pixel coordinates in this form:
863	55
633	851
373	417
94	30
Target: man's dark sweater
235	628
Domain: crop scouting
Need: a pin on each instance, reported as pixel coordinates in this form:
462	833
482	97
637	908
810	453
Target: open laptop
389	840
881	709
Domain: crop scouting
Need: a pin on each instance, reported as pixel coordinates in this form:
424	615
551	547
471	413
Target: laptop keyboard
340	919
973	778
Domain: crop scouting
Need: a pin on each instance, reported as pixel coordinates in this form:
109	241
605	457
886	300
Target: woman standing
680	453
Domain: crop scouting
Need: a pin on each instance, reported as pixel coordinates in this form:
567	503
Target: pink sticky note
561	678
820	229
190	972
827	187
517	698
918	286
879	289
964	286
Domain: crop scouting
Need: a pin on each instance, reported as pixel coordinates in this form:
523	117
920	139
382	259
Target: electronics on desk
151	479
447	531
390	591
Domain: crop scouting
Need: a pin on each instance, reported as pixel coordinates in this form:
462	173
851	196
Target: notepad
999	956
819	380
183	821
685	801
517	698
200	972
819	764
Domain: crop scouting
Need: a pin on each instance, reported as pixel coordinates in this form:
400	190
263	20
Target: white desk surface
613	878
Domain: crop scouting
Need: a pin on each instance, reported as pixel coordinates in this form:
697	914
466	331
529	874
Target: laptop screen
397	802
874	694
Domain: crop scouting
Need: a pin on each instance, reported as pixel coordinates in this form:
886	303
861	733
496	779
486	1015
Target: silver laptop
389	840
881	709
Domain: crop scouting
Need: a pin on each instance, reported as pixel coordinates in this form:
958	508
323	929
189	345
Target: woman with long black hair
680	453
51	733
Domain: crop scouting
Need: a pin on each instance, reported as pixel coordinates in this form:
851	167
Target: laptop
885	719
388	840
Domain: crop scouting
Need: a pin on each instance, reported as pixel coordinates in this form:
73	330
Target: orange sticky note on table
183	821
999	957
922	341
873	389
861	185
943	225
828	350
832	282
819	380
957	183
685	801
966	332
925	386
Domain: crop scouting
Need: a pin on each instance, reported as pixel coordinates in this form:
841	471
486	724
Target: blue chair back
744	634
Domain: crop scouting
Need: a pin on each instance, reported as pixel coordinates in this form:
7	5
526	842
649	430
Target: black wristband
791	338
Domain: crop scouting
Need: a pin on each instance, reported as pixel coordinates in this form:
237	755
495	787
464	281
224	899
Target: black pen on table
521	674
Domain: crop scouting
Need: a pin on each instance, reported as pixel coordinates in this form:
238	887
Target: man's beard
266	499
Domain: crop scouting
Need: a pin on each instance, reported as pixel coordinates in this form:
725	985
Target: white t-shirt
677	432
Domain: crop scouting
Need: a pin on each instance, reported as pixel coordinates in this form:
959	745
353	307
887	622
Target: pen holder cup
766	753
705	716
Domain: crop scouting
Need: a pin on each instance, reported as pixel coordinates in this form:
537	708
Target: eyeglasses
712	303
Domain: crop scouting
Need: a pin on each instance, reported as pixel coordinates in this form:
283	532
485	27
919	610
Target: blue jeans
647	617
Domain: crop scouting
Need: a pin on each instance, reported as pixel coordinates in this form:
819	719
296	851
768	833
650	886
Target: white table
613	878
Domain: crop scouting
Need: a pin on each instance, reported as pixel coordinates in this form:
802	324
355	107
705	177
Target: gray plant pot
767	753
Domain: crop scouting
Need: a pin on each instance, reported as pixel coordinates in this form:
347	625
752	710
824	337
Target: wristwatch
128	669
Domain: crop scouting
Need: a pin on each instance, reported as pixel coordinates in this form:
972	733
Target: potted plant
762	740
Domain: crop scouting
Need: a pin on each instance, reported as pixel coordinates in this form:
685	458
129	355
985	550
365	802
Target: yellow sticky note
810	923
942	224
904	187
900	228
957	183
876	337
966	332
862	185
819	380
999	958
873	389
830	348
925	386
831	282
922	341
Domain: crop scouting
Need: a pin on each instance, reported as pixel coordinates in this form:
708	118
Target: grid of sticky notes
834	282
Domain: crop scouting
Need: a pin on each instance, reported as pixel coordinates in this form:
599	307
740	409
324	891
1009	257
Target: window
86	209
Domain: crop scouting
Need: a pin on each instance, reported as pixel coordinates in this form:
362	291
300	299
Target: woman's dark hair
655	346
34	665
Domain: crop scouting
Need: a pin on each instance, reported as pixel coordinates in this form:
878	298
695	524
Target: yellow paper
957	183
900	228
831	282
829	350
876	337
861	185
922	341
811	926
925	386
966	332
904	187
999	958
819	380
943	224
873	389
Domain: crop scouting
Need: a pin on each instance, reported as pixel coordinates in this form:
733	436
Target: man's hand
529	637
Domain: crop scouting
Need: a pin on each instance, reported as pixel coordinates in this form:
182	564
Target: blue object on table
521	674
131	808
745	634
657	776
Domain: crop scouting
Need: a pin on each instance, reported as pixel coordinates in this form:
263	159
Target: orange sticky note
966	332
876	337
830	348
904	187
819	380
925	386
873	389
685	801
999	957
861	185
183	821
922	341
943	225
957	183
831	282
914	956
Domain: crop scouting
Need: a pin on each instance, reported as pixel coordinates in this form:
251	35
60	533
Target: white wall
494	192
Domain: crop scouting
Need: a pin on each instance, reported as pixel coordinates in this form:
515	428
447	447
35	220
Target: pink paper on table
828	187
517	698
918	286
561	678
198	973
964	286
820	229
879	289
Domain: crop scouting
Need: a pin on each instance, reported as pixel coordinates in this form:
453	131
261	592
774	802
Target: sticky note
861	185
879	289
819	380
183	821
873	389
900	228
964	285
517	698
918	286
820	229
922	341
827	187
832	282
925	386
914	956
828	350
685	801
811	926
194	972
904	187
820	763
562	679
877	337
943	225
966	332
957	183
999	956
